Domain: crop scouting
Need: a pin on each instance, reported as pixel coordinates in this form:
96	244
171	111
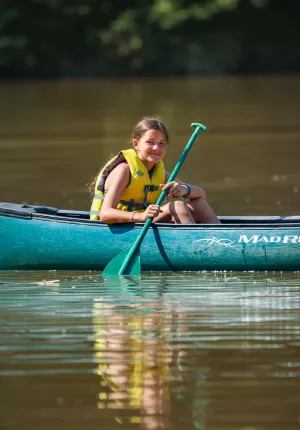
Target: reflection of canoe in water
35	237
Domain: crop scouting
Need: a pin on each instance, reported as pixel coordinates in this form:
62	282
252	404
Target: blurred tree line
53	38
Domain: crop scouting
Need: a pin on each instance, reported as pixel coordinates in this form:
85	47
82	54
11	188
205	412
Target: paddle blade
114	266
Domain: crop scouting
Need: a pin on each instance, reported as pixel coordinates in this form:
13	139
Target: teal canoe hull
39	238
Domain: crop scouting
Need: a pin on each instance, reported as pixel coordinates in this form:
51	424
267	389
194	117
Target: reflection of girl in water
135	372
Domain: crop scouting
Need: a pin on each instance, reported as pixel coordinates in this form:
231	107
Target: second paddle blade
114	266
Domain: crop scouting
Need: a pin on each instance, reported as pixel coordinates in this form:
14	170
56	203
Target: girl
128	186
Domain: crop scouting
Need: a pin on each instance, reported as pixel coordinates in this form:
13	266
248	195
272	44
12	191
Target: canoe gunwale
51	214
169	226
162	226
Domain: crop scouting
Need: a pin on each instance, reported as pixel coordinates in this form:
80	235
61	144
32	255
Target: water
207	351
177	351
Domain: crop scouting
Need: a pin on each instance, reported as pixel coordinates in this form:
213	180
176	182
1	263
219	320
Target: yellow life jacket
141	190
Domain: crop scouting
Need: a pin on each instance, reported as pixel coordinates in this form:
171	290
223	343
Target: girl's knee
180	206
180	212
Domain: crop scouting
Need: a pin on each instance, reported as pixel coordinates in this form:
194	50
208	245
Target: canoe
43	238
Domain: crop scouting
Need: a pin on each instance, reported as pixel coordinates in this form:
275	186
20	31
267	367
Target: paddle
128	262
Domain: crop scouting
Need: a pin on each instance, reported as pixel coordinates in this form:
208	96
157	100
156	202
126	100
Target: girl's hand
174	189
152	211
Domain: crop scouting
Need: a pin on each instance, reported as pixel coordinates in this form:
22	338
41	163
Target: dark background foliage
55	38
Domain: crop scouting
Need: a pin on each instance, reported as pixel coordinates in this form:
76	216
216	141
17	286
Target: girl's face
151	147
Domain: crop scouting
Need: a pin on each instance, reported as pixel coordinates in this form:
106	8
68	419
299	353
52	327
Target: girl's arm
115	185
178	190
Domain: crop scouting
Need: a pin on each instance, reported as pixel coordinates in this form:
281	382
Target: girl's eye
162	144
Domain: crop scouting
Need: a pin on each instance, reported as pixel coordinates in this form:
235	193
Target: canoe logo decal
244	239
287	238
212	240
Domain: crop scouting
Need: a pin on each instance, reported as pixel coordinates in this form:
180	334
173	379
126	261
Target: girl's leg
202	212
177	212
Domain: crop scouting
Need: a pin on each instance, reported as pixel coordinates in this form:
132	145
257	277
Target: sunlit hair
147	123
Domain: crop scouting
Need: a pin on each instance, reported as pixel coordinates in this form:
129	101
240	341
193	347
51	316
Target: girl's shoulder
120	173
121	167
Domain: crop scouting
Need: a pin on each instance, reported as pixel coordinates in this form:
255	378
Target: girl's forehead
155	134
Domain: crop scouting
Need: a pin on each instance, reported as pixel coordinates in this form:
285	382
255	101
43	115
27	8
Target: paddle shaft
139	239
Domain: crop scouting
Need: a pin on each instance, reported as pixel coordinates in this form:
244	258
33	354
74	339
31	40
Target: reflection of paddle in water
130	285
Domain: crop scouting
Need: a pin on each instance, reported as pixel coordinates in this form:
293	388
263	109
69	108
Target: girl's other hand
174	189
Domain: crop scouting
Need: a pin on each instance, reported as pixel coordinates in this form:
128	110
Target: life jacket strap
98	197
151	188
96	213
131	204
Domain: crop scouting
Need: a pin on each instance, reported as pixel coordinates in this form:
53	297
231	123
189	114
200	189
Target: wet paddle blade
114	266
